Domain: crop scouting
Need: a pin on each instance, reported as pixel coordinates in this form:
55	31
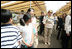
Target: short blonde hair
50	11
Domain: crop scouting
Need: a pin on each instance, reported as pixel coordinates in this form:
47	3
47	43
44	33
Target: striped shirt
10	36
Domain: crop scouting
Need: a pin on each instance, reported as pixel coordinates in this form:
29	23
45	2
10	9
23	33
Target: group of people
23	32
18	35
50	24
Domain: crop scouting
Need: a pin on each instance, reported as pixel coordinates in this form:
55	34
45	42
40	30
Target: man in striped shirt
10	35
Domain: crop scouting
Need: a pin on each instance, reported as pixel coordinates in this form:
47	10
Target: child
10	35
27	32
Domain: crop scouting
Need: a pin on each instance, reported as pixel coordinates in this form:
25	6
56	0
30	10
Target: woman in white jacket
68	30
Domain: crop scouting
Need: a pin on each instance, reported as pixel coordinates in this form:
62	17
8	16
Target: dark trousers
41	28
65	40
59	32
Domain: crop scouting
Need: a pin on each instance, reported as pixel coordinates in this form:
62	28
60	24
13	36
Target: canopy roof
17	6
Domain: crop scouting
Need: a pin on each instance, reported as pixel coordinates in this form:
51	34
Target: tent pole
30	4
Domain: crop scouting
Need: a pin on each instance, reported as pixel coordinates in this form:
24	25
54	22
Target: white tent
55	5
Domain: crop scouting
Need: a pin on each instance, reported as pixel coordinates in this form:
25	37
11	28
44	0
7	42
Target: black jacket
60	22
41	19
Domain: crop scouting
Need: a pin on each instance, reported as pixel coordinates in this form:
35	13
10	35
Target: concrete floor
54	42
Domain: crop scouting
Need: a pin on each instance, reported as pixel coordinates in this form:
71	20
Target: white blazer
67	24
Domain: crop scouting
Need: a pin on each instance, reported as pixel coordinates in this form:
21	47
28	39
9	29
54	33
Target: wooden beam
2	2
37	5
36	9
22	5
64	9
27	7
14	4
19	5
43	7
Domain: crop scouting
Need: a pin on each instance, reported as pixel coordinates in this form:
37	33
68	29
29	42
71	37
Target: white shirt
46	21
21	15
33	20
55	18
67	25
34	23
27	33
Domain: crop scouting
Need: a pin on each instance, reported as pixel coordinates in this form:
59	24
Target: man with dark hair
59	26
41	22
10	35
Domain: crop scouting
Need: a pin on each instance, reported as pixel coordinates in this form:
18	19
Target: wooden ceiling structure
38	6
17	6
64	9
